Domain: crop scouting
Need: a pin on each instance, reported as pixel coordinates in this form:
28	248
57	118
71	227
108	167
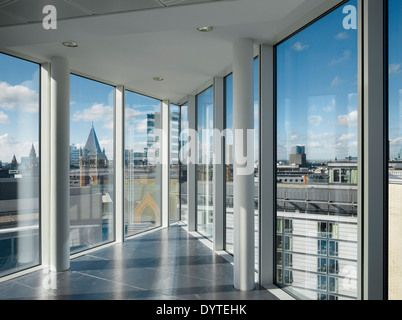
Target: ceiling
130	42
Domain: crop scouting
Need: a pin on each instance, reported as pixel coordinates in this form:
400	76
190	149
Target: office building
200	149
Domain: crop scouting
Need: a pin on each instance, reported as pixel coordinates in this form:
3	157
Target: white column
119	163
165	148
60	165
243	183
45	162
267	166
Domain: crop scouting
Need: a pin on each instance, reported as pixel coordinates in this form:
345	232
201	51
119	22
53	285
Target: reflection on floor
168	264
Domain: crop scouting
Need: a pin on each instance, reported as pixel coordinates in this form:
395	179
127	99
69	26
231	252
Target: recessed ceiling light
158	79
70	44
205	29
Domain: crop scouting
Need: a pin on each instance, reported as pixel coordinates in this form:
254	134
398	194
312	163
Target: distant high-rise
298	156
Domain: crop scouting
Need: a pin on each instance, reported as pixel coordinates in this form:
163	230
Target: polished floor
168	264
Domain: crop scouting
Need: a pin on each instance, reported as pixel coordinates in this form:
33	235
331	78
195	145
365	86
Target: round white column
60	165
243	184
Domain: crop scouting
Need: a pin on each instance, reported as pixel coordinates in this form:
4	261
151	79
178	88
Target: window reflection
19	165
205	125
91	163
142	179
317	158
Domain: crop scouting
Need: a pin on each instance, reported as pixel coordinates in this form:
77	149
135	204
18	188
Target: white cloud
18	97
315	120
345	56
341	36
314	145
298	46
294	137
348	120
336	81
394	68
3	118
98	112
142	126
346	137
10	146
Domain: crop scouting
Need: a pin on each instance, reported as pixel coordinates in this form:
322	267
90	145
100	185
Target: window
288	260
322	230
316	123
322	247
322	265
333	248
333	266
174	183
228	84
279	259
395	150
322	282
19	165
142	165
288	226
183	163
288	243
204	102
91	163
333	230
333	285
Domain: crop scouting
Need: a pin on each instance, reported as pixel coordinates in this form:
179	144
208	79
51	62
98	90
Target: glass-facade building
93	154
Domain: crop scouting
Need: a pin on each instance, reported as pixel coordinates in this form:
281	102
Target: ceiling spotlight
158	79
70	44
205	29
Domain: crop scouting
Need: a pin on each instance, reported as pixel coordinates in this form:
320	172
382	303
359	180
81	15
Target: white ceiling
131	41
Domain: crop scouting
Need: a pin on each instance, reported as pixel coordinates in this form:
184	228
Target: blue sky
317	90
395	77
19	107
317	97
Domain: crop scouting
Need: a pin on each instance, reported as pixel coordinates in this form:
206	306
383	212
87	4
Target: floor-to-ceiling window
174	168
91	163
183	163
142	163
228	83
395	151
204	102
19	164
316	216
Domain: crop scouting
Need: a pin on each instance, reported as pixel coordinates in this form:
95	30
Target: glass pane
19	165
174	186
142	165
91	163
183	163
317	150
395	151
205	167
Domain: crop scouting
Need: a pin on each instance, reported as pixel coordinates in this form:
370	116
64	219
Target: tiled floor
168	264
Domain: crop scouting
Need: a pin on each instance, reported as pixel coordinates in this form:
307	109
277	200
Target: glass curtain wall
19	164
228	82
183	163
316	217
395	151
174	168
91	163
204	102
142	164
